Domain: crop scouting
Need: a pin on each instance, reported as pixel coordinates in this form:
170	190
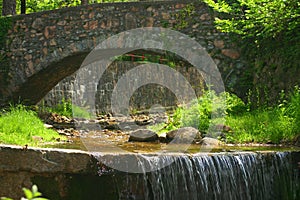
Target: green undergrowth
22	126
66	108
262	126
276	124
5	24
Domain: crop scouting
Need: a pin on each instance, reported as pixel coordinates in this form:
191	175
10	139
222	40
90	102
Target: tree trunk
9	7
84	2
23	6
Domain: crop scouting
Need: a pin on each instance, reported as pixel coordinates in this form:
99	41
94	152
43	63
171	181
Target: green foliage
271	34
205	110
80	112
160	128
21	126
200	114
1	4
259	18
32	194
292	108
266	124
66	108
5	25
167	59
234	105
181	16
42	5
261	126
276	124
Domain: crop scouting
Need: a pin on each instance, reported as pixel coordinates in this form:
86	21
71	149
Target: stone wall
63	174
143	98
43	48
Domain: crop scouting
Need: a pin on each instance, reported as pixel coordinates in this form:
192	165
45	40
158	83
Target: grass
261	126
66	108
21	126
276	124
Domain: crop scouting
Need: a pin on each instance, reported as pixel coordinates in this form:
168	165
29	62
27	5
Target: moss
181	16
5	25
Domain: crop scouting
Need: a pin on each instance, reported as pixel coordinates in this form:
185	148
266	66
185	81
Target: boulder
163	138
112	126
184	135
143	135
208	141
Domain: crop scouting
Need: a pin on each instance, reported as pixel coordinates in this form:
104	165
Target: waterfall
260	176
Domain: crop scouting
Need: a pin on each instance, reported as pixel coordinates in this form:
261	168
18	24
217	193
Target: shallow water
100	145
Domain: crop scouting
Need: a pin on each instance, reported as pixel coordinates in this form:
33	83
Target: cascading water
260	176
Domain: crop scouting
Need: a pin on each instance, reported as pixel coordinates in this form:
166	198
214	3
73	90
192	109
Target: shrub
259	18
275	124
208	109
66	108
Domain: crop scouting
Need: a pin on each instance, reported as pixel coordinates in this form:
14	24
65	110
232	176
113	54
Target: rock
184	135
205	17
130	21
143	135
231	53
50	31
163	138
63	125
48	126
143	122
219	44
38	24
69	132
208	141
28	57
112	126
149	22
53	42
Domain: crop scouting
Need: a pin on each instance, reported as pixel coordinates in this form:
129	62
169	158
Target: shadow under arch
40	83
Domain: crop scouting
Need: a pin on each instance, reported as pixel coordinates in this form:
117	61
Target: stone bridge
41	49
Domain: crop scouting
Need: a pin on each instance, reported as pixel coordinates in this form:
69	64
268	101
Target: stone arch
40	83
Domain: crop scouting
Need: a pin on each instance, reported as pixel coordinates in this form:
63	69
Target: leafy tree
11	7
257	18
41	5
271	32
